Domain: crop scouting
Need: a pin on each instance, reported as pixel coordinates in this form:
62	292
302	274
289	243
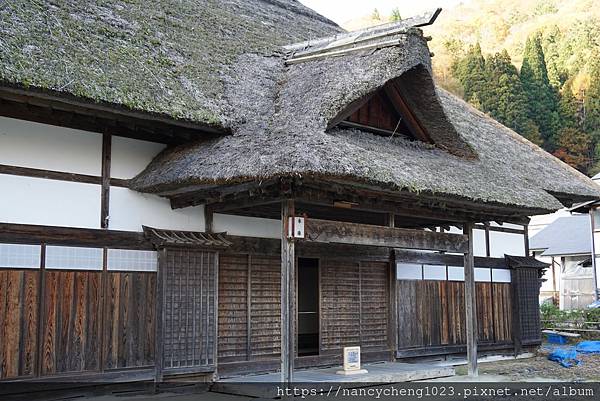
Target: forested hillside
533	65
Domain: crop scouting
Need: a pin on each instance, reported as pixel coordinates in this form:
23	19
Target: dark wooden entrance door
187	310
308	322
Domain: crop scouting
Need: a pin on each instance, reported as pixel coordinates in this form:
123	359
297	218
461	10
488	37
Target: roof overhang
62	109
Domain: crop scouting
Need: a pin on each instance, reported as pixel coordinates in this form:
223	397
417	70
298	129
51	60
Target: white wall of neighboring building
577	285
538	223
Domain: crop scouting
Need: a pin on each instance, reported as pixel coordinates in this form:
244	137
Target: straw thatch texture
221	63
158	56
281	131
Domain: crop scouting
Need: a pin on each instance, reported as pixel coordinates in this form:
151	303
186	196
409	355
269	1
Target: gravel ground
540	366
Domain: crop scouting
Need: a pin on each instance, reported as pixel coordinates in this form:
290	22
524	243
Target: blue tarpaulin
588	347
567	357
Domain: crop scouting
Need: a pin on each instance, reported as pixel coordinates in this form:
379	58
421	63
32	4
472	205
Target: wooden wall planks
130	316
249	307
18	322
374	303
71	325
71	329
265	307
431	313
340	304
354	306
233	305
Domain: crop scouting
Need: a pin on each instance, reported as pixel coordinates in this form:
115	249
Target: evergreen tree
573	148
505	99
568	108
470	72
592	103
542	98
531	132
551	39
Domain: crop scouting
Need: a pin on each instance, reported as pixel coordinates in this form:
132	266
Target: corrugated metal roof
565	236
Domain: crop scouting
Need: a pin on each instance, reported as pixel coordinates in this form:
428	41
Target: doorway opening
308	306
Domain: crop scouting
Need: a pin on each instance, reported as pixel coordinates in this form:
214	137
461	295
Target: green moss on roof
158	56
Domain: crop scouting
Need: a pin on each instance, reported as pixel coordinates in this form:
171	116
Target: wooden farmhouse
217	188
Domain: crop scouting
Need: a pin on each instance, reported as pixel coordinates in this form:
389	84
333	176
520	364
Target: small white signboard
351	362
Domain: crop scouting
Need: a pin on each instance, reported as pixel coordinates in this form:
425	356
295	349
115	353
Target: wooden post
488	251
470	303
515	312
208	219
594	272
105	189
287	294
526	238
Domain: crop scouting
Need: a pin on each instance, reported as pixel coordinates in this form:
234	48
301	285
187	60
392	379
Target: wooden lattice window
189	281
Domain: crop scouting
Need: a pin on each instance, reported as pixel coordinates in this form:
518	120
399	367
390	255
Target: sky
342	11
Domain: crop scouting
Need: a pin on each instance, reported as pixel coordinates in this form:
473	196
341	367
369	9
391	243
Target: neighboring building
156	165
566	245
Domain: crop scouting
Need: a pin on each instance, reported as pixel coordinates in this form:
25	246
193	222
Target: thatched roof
157	56
221	63
282	130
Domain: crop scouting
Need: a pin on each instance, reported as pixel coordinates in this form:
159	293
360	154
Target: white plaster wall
129	210
500	243
42	146
479	243
130	156
247	226
28	200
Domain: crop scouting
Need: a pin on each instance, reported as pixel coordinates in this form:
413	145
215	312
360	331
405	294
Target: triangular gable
405	106
385	112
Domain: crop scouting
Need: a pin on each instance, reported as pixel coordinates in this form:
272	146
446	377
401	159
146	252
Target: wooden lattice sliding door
187	324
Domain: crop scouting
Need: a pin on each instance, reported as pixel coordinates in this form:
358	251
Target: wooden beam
288	262
363	234
435	208
394	94
59	175
51	235
435	258
61	101
470	303
507	230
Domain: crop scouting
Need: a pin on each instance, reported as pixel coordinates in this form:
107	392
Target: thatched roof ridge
283	132
157	56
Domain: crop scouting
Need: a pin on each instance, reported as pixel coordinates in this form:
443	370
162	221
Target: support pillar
287	294
470	303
